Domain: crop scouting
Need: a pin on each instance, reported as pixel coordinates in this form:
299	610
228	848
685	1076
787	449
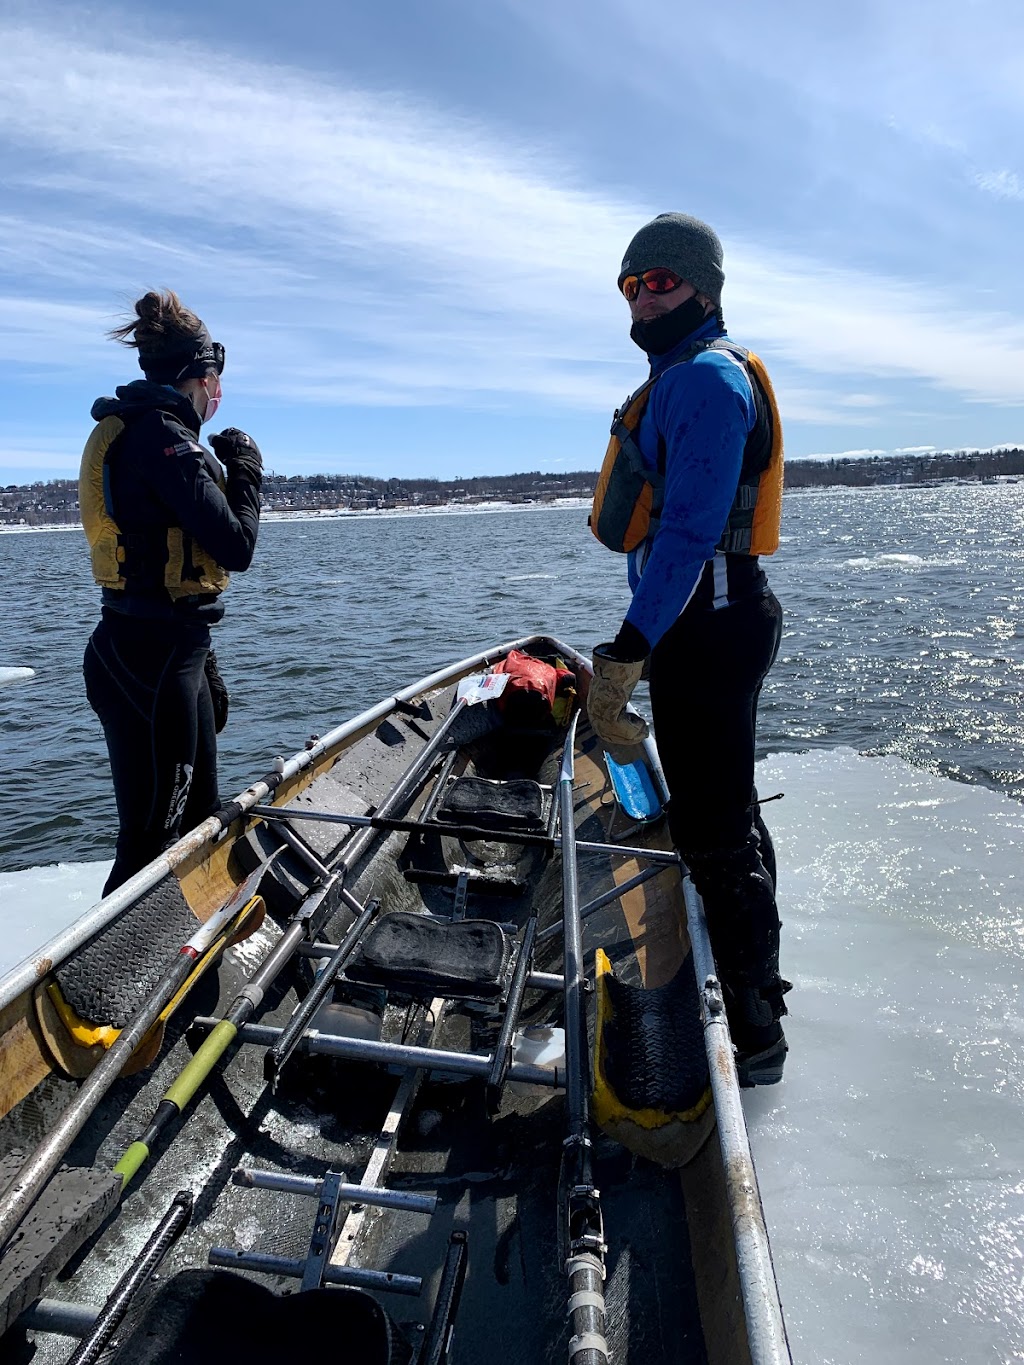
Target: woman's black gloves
218	692
239	454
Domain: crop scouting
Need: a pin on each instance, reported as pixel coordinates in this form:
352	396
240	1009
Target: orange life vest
629	495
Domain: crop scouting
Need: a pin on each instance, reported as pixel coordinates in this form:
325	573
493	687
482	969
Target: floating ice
36	905
890	1158
901	561
15	675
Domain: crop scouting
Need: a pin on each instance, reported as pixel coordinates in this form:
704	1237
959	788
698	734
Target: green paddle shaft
178	1095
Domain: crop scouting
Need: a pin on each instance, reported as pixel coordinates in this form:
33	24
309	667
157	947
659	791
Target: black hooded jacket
159	477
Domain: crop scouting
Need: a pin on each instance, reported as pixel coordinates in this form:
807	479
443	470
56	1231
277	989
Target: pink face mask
213	401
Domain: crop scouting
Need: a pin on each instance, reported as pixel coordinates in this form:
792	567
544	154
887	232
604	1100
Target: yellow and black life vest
629	495
116	558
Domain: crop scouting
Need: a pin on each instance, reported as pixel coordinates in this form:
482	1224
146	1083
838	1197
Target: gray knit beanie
675	241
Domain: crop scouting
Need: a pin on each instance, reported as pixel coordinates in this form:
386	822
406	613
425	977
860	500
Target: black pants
145	680
706	676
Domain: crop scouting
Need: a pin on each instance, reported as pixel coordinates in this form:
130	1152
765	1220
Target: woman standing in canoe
164	527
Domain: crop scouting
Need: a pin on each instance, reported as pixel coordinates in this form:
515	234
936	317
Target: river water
903	614
890	1159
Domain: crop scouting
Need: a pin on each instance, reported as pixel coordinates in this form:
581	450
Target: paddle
305	924
582	1241
27	1185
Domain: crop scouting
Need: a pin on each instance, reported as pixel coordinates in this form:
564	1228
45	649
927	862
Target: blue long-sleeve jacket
700	413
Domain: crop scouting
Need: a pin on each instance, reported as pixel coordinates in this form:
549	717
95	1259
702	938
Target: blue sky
405	220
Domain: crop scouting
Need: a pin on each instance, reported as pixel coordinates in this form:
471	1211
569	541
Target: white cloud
819	404
357	249
42	455
839	321
1003	184
32	331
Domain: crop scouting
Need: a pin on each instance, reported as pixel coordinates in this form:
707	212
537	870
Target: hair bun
150	308
161	321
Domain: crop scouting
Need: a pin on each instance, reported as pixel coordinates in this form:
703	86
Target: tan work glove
610	689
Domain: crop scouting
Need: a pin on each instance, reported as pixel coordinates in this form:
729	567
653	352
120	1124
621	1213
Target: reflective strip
643	553
731	355
721	576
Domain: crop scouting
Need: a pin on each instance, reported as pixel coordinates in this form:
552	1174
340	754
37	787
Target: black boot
743	922
754	1014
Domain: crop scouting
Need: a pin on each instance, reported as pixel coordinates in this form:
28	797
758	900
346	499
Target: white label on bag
481	687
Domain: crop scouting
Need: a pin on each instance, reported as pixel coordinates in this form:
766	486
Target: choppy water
903	614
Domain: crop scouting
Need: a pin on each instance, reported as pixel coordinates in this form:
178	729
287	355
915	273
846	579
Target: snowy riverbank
348	514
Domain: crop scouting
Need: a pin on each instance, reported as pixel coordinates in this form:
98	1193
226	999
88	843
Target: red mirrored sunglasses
658	281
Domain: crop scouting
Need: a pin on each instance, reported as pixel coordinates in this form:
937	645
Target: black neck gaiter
664	333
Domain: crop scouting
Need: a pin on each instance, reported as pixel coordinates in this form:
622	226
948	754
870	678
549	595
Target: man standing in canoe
691	490
164	526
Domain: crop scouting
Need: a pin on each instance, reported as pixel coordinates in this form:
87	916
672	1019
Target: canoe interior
672	1289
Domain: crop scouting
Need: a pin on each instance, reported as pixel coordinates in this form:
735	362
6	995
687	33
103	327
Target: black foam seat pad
458	958
209	1317
517	804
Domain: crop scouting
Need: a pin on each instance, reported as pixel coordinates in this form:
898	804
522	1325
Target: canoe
414	1052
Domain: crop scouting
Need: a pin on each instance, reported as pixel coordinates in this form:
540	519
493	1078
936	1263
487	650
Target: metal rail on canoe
306	924
762	1307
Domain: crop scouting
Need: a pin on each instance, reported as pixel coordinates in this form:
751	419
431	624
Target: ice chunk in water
889	1158
15	675
36	905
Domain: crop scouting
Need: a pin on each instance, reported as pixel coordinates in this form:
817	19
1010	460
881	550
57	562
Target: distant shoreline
348	514
450	509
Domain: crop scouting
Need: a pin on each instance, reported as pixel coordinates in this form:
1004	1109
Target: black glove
218	692
239	454
628	647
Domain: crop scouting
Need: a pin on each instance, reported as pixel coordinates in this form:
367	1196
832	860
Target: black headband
188	360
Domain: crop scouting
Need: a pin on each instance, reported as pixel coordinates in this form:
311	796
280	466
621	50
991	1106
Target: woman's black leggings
145	680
